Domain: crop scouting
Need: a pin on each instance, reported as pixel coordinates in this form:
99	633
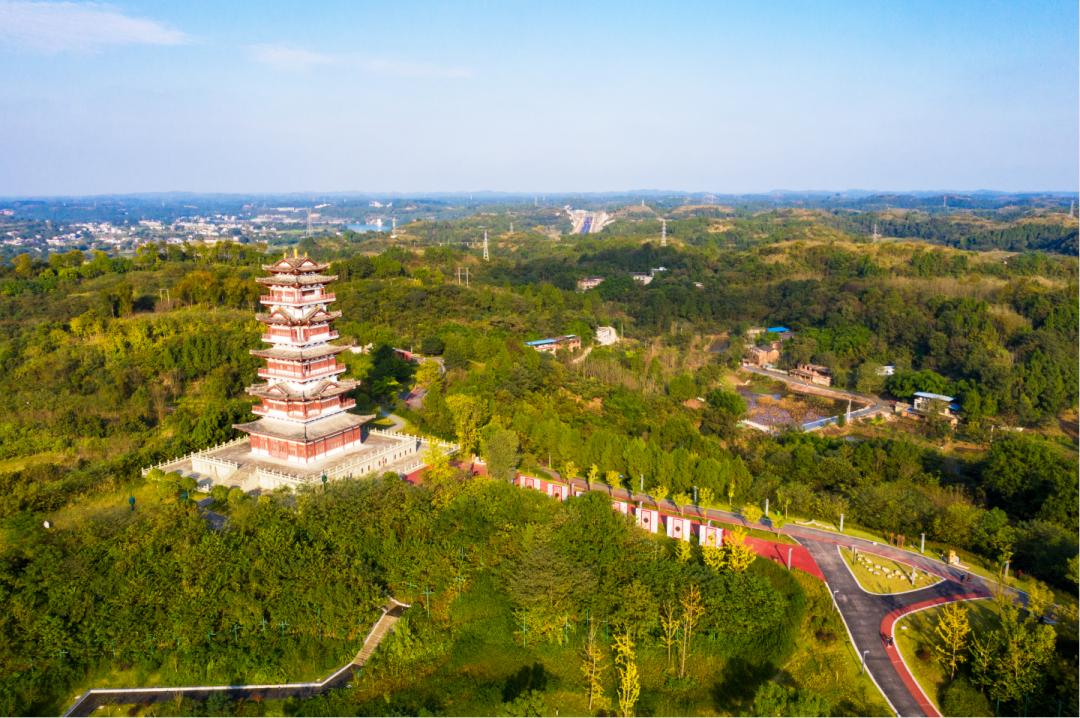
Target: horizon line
533	193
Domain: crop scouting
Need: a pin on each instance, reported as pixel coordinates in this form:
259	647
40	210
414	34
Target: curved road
868	617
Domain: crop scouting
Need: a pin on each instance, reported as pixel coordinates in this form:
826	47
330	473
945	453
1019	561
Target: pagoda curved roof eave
291	265
325	391
276	318
290	280
287	353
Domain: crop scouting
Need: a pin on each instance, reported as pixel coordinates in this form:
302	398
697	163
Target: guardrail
342	470
451	447
185	457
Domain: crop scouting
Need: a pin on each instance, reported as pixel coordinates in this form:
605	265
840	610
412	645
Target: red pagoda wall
294	450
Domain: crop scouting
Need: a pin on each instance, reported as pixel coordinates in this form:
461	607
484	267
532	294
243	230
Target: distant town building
606	336
813	373
571	342
641	277
584	285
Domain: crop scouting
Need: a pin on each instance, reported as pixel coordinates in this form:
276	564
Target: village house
587	283
813	373
782	333
763	356
606	336
571	342
927	404
641	277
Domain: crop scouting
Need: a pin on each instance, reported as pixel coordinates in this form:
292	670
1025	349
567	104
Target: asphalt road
865	615
868	617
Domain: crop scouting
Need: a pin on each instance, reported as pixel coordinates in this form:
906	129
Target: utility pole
466	277
841	523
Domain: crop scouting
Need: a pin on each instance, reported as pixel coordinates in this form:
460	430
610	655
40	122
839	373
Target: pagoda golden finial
285	254
295	251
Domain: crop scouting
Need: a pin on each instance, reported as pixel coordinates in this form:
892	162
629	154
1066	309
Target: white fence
193	454
405	447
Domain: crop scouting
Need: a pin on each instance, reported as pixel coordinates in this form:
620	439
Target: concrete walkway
89	701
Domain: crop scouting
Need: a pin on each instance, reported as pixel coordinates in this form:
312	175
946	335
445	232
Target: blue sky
541	96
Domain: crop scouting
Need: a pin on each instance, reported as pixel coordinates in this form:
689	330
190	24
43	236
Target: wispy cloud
397	68
286	57
73	26
289	57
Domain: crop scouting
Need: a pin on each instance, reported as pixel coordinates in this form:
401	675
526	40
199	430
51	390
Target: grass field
881	575
915	640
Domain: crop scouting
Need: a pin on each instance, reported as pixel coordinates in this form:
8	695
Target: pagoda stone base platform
234	463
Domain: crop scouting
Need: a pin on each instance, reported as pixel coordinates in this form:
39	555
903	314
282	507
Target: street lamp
864	654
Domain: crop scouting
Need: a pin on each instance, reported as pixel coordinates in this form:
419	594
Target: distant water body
368	227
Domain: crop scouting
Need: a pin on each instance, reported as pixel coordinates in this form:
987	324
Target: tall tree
499	448
692	611
629	680
670	622
468	413
952	631
739	556
592	668
1010	661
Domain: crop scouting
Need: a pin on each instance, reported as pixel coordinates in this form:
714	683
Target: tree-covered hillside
110	364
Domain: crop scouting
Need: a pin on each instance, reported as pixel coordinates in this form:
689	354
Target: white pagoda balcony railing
303	376
299	339
297	301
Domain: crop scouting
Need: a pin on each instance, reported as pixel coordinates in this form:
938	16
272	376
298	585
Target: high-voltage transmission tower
487	257
875	236
393	228
663	232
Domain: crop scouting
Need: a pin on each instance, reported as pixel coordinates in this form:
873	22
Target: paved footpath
89	701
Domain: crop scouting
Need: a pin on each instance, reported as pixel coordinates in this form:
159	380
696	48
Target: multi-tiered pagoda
303	403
